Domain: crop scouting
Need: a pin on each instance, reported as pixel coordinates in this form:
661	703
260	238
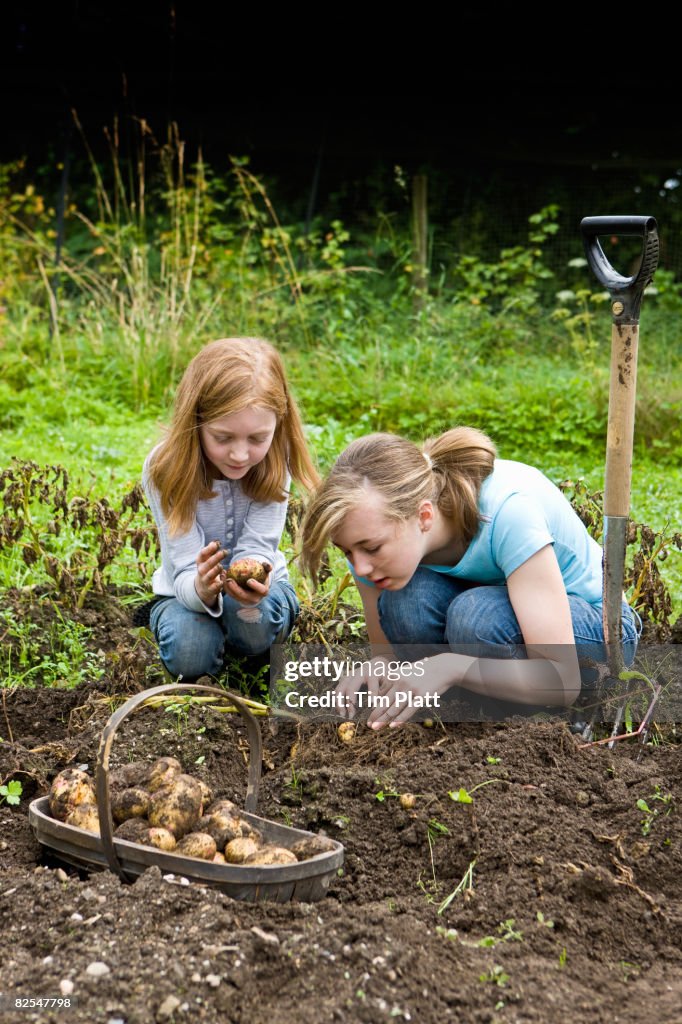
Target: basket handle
106	823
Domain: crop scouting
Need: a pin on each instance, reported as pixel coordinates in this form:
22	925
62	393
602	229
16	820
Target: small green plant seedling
179	708
462	796
629	969
383	793
651	814
495	976
295	783
11	792
506	933
466	796
465	885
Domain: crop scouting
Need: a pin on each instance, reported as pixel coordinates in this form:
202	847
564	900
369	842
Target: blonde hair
448	470
226	376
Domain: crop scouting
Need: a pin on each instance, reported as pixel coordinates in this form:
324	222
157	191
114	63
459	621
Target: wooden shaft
621	424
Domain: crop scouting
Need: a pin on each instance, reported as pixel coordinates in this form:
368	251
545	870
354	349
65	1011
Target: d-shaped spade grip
626	292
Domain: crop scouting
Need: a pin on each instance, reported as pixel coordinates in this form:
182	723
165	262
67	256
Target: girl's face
381	549
235	443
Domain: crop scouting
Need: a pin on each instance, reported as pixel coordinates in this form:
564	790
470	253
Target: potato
129	803
176	806
161	838
84	816
129	775
304	849
197	844
138	830
245	569
206	794
250	831
69	789
132	830
222	827
161	773
237	850
346	732
224	805
271	855
407	801
219	858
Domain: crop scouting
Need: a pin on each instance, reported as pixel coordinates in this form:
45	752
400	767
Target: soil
551	896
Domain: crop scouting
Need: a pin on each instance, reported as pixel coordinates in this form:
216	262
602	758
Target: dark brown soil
574	912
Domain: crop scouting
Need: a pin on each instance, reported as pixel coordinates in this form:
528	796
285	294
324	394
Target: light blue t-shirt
522	511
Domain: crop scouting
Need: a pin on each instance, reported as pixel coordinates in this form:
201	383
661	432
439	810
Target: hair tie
428	460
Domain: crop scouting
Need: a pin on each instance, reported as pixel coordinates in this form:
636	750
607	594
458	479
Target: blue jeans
435	609
193	644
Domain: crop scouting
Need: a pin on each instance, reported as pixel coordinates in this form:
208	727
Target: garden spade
626	299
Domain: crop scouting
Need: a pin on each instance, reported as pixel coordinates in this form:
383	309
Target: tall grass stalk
132	297
145	276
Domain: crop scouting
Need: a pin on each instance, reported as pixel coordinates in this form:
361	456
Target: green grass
154	269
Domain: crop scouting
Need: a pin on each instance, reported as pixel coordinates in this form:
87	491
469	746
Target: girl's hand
254	593
416	692
208	581
374	679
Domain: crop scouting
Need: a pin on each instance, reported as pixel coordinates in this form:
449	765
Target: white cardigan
244	527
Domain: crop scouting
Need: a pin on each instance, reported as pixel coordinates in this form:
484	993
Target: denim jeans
435	609
193	644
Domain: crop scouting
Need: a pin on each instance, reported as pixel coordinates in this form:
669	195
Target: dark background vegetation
504	116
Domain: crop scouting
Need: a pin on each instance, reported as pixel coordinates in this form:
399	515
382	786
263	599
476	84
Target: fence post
420	236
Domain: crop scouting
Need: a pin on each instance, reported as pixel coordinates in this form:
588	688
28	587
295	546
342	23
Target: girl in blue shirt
475	561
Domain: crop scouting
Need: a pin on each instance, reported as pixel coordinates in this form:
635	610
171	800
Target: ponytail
461	459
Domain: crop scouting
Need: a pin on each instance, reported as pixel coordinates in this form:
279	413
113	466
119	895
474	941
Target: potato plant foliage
646	548
72	540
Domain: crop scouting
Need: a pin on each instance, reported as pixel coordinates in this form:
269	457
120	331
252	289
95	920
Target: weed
464	796
495	976
426	889
435	830
248	679
179	707
651	815
71	542
630	970
58	656
464	886
10	792
383	793
295	784
508	932
646	549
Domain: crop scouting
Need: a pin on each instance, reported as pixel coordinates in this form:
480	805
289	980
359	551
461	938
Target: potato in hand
245	569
